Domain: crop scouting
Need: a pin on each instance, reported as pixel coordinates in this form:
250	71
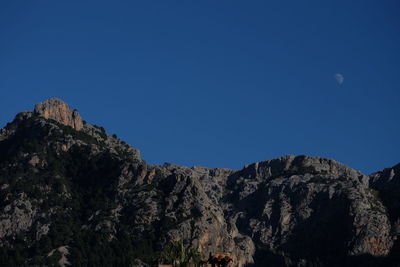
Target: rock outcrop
77	196
386	185
59	111
291	206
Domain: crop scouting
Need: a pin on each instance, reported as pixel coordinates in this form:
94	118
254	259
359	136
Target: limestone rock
70	191
386	186
59	111
16	217
290	207
63	250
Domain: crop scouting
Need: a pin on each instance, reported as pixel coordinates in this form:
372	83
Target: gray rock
290	211
386	186
290	206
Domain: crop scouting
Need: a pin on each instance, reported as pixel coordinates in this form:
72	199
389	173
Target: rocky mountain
71	195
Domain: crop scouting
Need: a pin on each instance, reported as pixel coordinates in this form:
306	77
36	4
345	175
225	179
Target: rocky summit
72	195
59	111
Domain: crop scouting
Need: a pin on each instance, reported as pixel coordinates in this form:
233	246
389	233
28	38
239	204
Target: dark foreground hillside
71	195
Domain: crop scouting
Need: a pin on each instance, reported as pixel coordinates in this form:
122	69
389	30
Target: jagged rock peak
305	164
388	177
58	110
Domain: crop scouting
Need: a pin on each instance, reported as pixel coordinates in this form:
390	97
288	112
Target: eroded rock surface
59	111
73	195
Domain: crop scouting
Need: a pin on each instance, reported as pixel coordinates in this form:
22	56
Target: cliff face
387	184
59	111
72	195
307	209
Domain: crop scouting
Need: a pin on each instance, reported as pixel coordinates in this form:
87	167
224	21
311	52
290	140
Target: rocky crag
71	195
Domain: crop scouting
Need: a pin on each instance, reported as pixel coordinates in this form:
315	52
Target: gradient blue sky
214	83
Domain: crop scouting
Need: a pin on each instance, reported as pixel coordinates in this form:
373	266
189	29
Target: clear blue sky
214	83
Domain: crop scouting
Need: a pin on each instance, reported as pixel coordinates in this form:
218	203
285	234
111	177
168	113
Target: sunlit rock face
59	111
72	194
